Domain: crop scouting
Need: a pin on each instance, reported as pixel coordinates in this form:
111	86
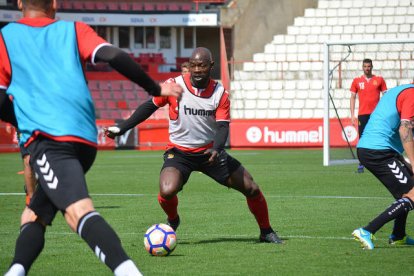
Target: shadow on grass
224	240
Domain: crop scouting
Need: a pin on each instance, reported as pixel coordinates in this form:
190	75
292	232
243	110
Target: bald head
201	64
202	54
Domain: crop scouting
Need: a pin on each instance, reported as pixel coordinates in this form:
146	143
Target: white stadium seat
286	79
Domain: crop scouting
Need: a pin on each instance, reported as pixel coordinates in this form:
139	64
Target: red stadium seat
125	114
127	85
186	7
137	7
145	58
104	114
149	7
96	95
115	85
118	95
101	6
93	84
124	6
89	5
173	7
104	85
113	6
122	105
130	95
161	7
115	114
67	5
133	104
78	5
158	58
99	104
111	105
106	95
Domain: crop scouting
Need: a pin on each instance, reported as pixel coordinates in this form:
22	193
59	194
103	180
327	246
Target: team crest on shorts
170	156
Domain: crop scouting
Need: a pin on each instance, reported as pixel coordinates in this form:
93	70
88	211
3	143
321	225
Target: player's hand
354	121
213	156
171	89
112	131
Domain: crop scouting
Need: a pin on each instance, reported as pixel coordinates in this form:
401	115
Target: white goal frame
326	79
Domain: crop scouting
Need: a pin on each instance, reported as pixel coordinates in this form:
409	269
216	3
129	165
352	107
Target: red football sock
169	206
258	207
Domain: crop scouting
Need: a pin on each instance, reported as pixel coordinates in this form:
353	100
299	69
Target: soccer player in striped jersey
198	130
41	70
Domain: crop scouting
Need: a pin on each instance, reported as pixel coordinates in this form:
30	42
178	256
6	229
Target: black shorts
390	168
60	168
24	151
189	162
362	122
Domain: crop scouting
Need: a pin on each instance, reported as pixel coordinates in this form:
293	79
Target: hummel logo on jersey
47	172
397	172
199	112
170	156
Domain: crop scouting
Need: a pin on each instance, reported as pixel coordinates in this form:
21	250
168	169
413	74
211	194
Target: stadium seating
116	99
113	6
286	79
89	5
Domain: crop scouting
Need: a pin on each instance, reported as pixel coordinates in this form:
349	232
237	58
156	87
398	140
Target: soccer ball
160	240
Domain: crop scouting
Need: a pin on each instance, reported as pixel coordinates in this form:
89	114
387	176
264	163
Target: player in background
198	130
185	67
388	134
58	128
368	87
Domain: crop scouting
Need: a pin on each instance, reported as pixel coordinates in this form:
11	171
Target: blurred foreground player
55	115
198	129
388	134
7	115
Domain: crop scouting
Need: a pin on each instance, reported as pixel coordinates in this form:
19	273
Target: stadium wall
270	18
279	133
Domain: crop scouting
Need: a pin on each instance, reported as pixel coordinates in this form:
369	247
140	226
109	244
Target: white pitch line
330	197
197	235
131	195
268	196
131	156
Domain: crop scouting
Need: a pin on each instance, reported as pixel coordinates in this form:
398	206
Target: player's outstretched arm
142	113
124	64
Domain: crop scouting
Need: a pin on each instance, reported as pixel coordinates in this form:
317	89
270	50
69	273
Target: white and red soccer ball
160	240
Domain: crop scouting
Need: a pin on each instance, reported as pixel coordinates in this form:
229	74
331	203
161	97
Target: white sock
127	268
16	270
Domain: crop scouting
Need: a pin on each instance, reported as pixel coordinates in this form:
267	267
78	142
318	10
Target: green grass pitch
313	208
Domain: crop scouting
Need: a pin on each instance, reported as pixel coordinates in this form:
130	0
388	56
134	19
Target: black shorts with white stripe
390	168
60	168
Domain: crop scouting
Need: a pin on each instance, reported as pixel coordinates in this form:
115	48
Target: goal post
393	59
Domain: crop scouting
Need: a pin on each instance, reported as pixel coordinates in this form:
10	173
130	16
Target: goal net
391	59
